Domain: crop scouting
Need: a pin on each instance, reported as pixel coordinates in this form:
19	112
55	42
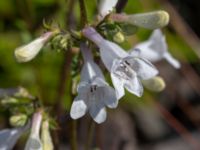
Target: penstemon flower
155	49
27	52
126	70
9	137
34	142
93	91
106	6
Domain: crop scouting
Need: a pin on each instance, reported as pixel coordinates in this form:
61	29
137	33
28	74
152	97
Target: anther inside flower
123	70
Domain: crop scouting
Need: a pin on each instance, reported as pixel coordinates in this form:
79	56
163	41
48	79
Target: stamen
93	88
124	70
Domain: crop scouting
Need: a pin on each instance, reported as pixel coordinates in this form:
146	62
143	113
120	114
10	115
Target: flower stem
73	140
120	5
73	123
86	52
90	135
83	13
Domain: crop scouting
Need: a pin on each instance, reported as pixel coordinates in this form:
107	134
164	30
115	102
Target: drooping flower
126	70
46	137
9	137
94	94
27	52
106	6
155	49
34	142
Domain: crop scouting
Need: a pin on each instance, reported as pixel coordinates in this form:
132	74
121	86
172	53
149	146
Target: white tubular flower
9	137
27	52
106	6
93	91
126	71
155	49
46	137
34	142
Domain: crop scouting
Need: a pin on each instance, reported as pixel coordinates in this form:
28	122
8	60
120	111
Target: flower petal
78	108
98	113
90	70
158	42
175	63
9	137
83	87
106	6
134	86
110	51
110	97
153	49
99	82
143	68
118	85
33	144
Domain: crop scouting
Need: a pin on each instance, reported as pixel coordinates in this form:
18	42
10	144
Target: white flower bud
46	137
18	120
151	20
119	37
155	84
27	52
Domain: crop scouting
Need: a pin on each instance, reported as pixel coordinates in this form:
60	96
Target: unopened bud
46	137
155	84
27	52
9	100
151	20
22	92
118	37
18	120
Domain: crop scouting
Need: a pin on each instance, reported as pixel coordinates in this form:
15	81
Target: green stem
83	13
73	123
73	140
90	135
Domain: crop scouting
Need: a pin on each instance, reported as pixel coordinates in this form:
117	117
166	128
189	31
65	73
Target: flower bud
18	120
156	84
46	137
34	142
27	52
9	100
151	20
22	92
118	37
